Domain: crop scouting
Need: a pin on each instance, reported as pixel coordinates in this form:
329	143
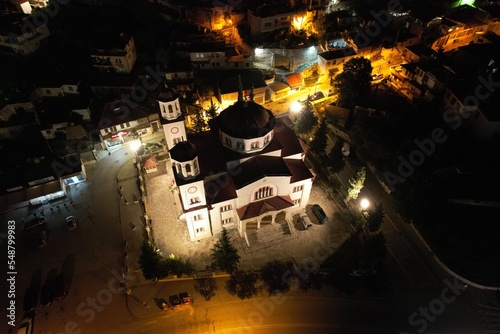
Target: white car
304	219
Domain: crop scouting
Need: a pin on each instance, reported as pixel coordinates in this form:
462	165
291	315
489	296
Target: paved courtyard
282	240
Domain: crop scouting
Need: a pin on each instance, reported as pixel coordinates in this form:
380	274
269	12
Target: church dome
167	94
183	151
246	120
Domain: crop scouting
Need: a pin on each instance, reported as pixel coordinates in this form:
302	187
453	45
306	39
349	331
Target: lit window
255	144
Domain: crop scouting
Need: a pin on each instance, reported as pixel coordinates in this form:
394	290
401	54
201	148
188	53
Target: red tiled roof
150	162
258	208
294	79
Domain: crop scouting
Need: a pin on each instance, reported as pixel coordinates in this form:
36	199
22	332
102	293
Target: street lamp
135	145
296	107
364	204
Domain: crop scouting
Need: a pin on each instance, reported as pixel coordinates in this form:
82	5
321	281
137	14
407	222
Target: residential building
116	120
215	55
269	17
114	54
252	81
19	34
332	61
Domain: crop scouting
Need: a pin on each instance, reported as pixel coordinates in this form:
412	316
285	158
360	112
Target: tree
200	123
305	120
206	286
273	274
375	217
224	255
242	284
416	197
318	144
354	80
212	110
356	184
336	161
150	261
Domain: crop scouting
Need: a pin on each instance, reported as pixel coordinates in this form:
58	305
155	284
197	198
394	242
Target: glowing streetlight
364	204
135	145
296	106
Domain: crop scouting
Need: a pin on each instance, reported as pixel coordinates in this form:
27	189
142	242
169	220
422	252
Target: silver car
304	219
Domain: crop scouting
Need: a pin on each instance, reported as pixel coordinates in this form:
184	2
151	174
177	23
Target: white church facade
246	171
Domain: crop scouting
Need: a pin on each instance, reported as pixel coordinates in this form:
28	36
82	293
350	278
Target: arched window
240	145
195	166
263	193
227	141
188	168
170	109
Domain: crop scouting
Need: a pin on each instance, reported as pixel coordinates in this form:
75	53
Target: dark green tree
318	144
242	284
305	120
224	255
200	124
336	161
150	261
206	286
176	266
354	80
415	197
375	217
212	110
276	276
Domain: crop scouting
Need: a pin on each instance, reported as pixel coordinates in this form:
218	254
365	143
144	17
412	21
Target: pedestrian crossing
490	319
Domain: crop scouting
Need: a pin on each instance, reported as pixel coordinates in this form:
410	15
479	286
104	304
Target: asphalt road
302	313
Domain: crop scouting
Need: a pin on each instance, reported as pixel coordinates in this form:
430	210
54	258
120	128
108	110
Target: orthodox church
246	171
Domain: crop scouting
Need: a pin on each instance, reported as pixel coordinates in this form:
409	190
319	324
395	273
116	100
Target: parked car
61	286
304	219
26	325
320	214
37	221
316	96
71	222
185	298
174	300
41	239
